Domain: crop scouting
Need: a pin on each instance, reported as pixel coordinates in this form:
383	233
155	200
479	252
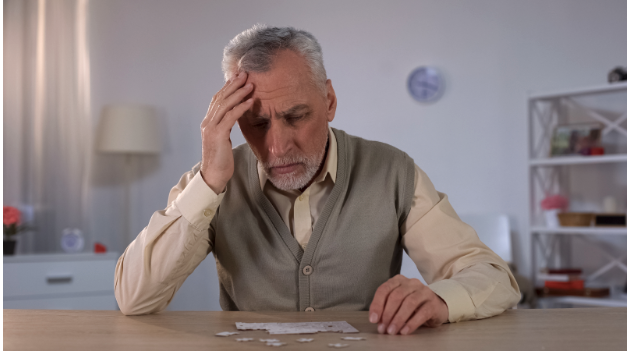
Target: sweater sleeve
155	265
474	282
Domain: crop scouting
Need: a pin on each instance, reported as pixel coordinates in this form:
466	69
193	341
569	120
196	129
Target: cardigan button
307	270
309	309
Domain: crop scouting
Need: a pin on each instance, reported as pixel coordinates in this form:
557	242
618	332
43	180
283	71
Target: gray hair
254	49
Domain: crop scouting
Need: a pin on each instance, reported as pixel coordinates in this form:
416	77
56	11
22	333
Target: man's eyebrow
249	114
296	109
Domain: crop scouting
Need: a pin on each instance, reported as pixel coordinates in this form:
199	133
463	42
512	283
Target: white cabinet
586	180
60	281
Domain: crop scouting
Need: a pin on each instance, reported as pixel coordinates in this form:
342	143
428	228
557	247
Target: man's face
287	127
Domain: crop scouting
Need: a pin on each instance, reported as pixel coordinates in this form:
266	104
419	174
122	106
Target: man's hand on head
402	305
227	106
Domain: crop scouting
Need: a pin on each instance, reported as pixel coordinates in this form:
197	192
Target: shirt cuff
198	202
460	305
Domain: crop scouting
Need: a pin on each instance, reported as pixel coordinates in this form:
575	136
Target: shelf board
574	160
580	91
588	301
566	230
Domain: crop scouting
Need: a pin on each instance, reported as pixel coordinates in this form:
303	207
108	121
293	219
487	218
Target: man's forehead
285	89
276	83
289	73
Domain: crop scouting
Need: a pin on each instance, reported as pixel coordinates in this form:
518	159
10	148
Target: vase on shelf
551	219
8	247
11	228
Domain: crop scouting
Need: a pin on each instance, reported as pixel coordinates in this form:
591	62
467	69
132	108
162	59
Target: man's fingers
234	114
392	305
221	102
380	296
408	307
421	316
222	107
235	84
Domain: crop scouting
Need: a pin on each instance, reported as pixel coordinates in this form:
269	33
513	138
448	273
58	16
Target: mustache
287	160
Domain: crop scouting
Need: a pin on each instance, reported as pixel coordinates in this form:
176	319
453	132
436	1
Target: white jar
610	205
551	219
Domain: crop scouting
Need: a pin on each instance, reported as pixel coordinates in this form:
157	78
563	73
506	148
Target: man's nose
279	139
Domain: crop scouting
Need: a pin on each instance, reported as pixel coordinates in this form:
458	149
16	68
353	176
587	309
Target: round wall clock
425	84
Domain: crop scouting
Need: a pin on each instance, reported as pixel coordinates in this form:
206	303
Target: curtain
47	129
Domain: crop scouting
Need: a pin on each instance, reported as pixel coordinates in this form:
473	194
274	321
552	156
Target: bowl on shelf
576	219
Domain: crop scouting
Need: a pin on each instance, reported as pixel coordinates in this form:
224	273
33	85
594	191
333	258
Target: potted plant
12	227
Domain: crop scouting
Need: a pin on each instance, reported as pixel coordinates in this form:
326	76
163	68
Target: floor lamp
131	130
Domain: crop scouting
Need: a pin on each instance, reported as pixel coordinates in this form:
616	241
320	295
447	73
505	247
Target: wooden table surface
553	329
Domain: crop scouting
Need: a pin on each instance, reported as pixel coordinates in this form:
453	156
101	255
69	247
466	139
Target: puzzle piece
351	338
226	333
304	340
275	344
244	339
338	345
269	340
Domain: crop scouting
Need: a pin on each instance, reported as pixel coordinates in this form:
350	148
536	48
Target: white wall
472	144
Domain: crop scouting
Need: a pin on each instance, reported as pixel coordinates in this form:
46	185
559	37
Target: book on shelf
569	285
563	271
558	277
562	279
586	292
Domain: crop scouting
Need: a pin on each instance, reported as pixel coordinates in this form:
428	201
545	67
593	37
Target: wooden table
553	329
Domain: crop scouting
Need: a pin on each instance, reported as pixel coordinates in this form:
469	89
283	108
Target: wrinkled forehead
278	91
287	84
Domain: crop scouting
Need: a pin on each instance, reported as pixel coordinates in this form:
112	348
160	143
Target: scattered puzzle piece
338	345
269	340
304	340
350	338
226	333
275	344
244	339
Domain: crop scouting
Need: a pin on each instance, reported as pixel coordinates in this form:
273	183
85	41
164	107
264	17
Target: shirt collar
330	164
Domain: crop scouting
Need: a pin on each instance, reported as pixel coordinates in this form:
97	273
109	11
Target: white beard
291	181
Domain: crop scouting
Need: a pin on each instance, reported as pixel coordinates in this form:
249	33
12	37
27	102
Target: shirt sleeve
474	281
155	265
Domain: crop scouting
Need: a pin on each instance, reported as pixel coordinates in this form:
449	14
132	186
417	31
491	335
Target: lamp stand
128	236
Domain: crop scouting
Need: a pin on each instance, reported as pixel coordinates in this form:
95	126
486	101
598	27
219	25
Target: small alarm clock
72	240
425	84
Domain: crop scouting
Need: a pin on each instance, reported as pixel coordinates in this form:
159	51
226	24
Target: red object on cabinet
100	248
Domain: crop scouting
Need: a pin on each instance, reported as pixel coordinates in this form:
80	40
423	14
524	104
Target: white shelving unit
551	247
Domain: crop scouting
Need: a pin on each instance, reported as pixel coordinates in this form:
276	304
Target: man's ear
331	101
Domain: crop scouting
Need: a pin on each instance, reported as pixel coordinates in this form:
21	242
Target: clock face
72	240
425	84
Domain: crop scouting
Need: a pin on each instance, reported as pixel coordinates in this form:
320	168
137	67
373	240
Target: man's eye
260	125
294	118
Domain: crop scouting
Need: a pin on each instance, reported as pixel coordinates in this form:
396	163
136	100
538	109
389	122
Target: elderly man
305	217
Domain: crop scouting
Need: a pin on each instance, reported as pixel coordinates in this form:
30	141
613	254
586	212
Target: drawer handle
59	279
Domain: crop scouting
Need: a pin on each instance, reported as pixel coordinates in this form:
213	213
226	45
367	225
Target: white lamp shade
129	129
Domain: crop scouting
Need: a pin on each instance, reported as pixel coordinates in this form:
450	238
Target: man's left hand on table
402	305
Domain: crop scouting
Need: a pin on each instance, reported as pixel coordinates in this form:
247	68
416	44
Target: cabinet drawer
61	277
105	302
